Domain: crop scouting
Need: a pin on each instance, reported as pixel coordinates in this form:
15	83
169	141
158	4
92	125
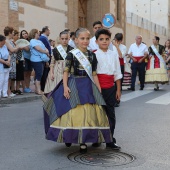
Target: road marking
164	100
134	94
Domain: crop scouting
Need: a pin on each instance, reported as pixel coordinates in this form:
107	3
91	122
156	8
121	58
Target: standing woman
19	67
57	64
167	51
4	72
28	68
37	49
9	32
156	72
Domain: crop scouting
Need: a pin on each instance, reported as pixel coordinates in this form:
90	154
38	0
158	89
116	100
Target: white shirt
123	50
72	43
4	54
108	63
94	46
138	51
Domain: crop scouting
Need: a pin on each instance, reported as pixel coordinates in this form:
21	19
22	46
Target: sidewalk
26	97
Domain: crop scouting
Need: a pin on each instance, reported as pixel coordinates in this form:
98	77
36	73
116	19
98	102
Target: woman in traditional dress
73	113
156	68
57	64
127	73
167	51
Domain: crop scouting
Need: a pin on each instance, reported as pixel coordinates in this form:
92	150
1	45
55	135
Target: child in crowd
57	64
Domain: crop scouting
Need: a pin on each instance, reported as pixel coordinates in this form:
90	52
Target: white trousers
4	83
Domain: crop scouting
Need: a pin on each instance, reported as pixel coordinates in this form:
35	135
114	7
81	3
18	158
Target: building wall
35	14
156	13
60	14
3	15
95	10
120	26
38	17
146	21
132	31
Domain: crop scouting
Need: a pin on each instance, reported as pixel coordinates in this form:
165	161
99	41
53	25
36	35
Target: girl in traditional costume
156	68
73	112
57	64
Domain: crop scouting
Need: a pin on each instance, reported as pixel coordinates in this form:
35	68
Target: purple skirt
81	119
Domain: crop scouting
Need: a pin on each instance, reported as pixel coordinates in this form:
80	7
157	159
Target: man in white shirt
71	41
93	46
138	52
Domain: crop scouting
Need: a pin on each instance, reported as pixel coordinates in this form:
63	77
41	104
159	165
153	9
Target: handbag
5	66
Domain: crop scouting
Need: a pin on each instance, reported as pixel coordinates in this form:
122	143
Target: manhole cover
102	158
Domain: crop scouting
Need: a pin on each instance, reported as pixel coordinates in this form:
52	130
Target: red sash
138	58
121	60
106	81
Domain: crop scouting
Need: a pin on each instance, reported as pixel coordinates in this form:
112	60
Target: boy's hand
118	95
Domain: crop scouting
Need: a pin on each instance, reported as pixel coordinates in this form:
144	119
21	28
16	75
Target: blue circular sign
108	20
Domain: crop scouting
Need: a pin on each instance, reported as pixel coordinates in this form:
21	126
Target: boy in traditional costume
108	72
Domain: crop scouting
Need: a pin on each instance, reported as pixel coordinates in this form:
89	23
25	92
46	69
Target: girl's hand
52	76
67	92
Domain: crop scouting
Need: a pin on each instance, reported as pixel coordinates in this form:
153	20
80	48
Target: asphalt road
143	130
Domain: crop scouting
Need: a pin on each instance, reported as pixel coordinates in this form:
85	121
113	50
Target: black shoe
18	92
118	101
133	89
113	146
116	105
141	88
83	148
14	91
68	144
156	89
96	145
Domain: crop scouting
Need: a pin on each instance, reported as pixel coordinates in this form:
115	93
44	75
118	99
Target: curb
21	99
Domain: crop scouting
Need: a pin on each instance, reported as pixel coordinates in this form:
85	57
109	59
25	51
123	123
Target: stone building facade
60	14
148	18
